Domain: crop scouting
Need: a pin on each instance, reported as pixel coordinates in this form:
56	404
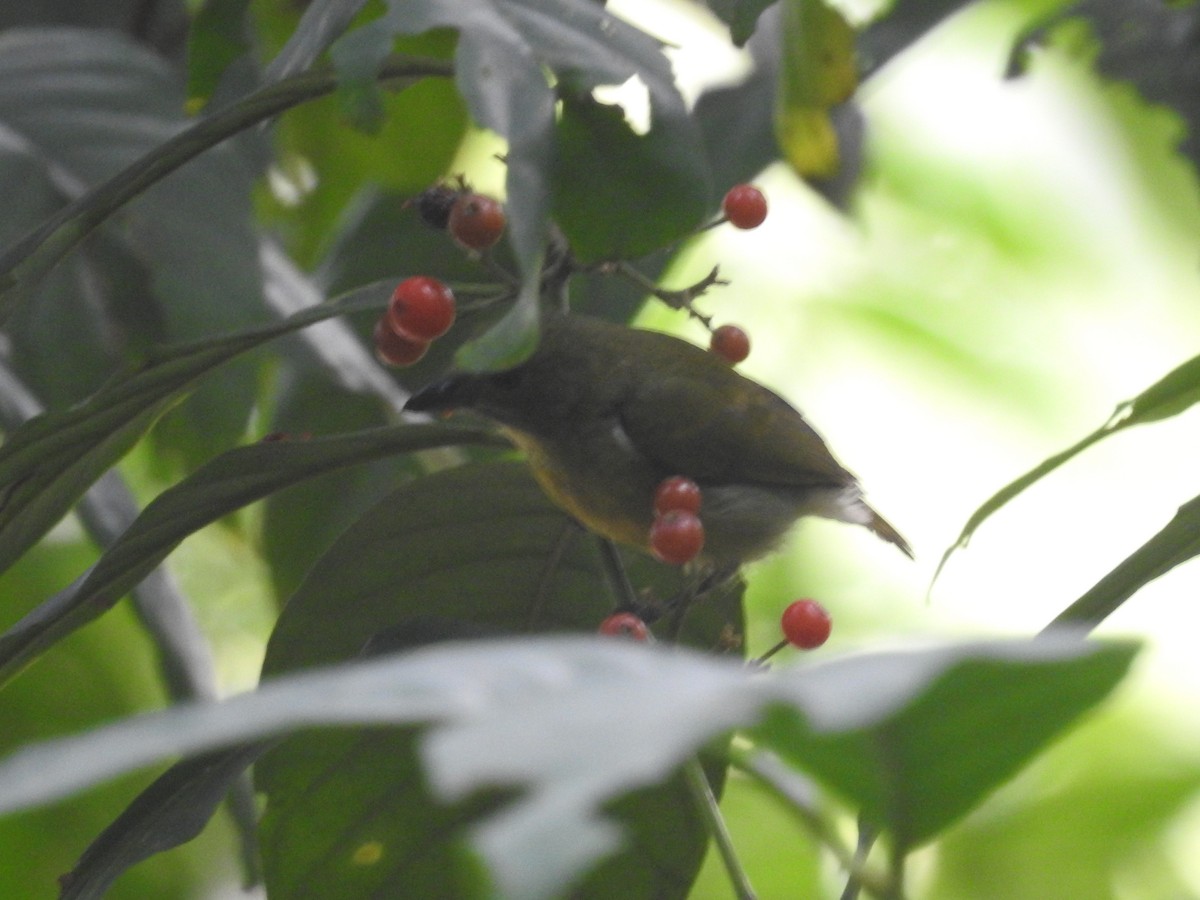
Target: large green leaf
619	194
914	738
475	549
86	104
1176	543
47	464
23	264
1175	392
227	483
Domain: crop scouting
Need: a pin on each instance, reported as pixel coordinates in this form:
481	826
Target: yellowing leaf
818	72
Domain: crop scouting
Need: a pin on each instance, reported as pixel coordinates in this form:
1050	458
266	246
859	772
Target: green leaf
915	738
506	343
47	464
740	15
172	811
1176	543
24	263
474	550
1175	392
818	70
619	194
227	483
1151	45
218	36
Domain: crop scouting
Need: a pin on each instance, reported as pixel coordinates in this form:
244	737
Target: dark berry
434	205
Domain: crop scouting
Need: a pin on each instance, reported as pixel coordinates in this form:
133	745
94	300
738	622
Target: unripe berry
421	308
676	537
744	206
806	624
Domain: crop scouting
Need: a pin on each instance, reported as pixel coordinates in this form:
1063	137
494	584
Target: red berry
730	343
421	309
625	624
744	206
677	492
395	349
806	624
476	221
676	537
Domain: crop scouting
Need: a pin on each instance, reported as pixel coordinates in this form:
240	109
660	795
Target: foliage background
1021	258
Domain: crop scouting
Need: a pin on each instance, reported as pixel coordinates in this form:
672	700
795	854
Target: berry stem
618	578
706	802
680	299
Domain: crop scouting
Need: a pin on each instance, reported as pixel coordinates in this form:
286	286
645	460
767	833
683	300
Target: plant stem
707	804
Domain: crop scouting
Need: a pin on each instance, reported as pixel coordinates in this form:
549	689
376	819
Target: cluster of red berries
422	308
677	534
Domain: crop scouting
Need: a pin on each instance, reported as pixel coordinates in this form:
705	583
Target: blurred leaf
818	71
904	23
323	22
47	464
88	103
915	738
1099	814
1175	392
23	264
95	676
171	811
225	484
619	194
1151	44
740	15
219	35
517	567
1176	543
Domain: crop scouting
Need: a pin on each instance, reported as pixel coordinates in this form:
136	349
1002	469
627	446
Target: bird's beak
442	396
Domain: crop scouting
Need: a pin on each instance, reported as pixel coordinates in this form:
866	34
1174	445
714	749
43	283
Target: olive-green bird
604	413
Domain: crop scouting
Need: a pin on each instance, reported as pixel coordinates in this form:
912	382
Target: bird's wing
729	431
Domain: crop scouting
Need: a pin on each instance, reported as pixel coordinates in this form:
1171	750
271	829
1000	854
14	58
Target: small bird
604	413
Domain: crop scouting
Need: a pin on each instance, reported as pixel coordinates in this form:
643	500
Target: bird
604	413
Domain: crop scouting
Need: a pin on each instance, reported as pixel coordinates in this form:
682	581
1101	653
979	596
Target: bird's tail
883	528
